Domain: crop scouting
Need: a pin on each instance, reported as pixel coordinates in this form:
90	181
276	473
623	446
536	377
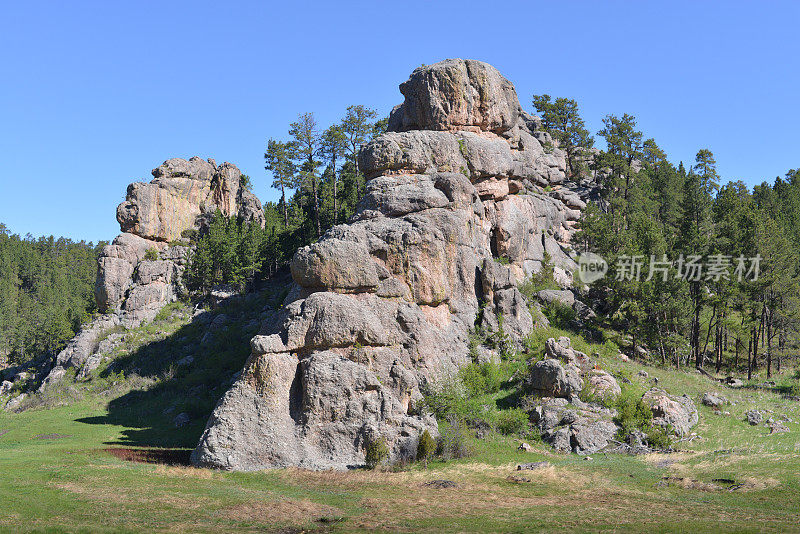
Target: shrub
559	314
377	452
632	413
190	234
426	447
476	338
482	378
544	279
453	440
151	254
512	422
500	340
449	398
659	437
166	312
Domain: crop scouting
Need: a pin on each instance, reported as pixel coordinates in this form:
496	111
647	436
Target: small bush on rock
151	254
377	452
544	279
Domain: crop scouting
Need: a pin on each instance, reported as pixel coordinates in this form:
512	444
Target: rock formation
455	215
154	216
140	271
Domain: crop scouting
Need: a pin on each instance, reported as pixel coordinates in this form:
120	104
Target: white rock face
385	304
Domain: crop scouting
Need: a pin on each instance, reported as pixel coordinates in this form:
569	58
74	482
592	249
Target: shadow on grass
218	353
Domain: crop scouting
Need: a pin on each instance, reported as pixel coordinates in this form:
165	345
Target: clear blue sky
93	95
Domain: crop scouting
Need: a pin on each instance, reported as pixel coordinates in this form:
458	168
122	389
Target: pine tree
278	159
357	130
562	119
332	149
306	144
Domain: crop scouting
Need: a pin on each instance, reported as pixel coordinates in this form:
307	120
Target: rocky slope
140	271
456	214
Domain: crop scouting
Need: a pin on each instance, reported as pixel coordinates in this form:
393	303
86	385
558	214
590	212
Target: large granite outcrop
140	271
454	217
181	192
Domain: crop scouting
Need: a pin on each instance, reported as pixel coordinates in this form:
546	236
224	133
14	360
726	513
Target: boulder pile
569	399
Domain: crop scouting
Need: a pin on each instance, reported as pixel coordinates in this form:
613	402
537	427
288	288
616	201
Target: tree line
669	216
46	293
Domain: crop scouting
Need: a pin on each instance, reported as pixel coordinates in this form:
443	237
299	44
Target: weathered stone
14	403
588	438
561	440
714	400
334	265
533	466
567	298
679	413
777	428
182	191
81	347
562	350
754	417
456	94
602	385
547	378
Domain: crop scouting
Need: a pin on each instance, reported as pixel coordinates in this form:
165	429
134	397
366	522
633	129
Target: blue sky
93	95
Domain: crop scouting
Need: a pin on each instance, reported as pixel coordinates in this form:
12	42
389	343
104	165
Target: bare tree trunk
708	333
285	211
769	343
335	193
695	340
316	206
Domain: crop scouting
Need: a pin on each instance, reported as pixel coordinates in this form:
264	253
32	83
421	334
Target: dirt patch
152	455
53	436
4	432
287	511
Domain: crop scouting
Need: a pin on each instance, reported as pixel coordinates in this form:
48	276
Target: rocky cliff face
383	305
140	271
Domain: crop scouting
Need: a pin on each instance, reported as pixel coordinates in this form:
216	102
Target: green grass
71	483
68	481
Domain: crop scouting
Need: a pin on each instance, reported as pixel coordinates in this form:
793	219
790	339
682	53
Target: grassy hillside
66	462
